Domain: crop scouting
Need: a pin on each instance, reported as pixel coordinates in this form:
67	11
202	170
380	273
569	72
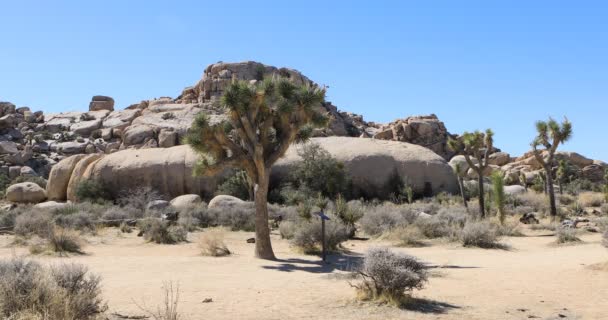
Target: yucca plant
498	193
478	145
550	134
263	119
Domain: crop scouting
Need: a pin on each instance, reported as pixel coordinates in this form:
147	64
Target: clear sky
476	64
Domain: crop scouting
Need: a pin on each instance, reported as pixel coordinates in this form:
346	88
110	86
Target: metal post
323	239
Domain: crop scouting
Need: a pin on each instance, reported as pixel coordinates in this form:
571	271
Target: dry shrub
155	230
480	234
509	230
407	236
63	241
29	290
212	244
82	221
307	235
390	276
566	235
605	239
538	201
34	222
169	309
591	199
287	229
381	219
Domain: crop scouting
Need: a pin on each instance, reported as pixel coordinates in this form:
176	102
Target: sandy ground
534	279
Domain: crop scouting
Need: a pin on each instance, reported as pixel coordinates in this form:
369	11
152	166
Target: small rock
251	240
207	300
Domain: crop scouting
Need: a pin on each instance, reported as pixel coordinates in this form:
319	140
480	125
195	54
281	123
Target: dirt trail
533	279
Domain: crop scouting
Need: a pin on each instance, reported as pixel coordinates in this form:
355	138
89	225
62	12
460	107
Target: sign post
323	246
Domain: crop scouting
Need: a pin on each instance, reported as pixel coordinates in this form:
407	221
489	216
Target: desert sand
533	279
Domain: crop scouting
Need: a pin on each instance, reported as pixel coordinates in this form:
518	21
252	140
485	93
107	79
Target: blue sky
476	64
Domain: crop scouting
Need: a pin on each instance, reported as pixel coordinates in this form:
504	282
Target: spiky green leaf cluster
263	119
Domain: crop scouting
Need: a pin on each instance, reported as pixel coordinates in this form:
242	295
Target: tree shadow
427	306
434	266
343	261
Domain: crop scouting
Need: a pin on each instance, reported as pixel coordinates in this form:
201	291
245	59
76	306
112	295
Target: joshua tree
498	193
523	180
263	119
479	145
550	135
460	175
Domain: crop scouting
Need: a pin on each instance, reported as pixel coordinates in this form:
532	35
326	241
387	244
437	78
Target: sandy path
541	279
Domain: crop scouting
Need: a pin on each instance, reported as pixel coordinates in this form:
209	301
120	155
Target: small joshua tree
523	180
478	145
263	119
550	134
498	192
460	176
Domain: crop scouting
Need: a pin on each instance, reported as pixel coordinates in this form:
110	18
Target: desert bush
479	234
169	309
29	290
195	216
5	182
7	219
407	236
580	185
348	215
605	239
538	201
287	229
114	216
390	276
508	230
319	172
212	244
235	185
566	199
81	221
155	230
125	228
240	217
307	235
604	208
34	222
380	219
590	199
566	235
138	198
63	241
92	191
433	227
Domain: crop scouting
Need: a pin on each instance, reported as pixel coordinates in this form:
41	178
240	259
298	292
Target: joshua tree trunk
464	198
482	211
263	246
551	191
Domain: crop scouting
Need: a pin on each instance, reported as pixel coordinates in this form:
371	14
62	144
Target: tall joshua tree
550	135
263	119
478	145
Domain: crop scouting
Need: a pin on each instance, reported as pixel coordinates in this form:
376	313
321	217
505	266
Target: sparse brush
212	244
509	230
566	235
63	241
81	221
480	234
169	309
538	201
125	228
390	276
591	199
34	222
28	290
307	235
381	219
605	239
407	236
287	229
155	230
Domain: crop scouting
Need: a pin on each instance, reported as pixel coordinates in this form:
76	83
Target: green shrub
479	234
92	191
390	276
319	172
348	215
235	185
28	290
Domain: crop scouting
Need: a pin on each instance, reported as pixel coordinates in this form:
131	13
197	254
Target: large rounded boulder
373	164
25	192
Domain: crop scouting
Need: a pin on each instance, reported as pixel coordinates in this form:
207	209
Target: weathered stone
101	103
187	200
167	139
225	201
25	192
8	147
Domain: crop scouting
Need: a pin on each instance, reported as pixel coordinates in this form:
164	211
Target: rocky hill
31	143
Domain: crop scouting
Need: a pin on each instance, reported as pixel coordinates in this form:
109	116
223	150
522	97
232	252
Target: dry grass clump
155	230
59	241
212	244
169	309
407	236
538	201
591	199
29	290
566	235
389	276
480	234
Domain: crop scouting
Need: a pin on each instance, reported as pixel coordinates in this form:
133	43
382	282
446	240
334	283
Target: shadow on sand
428	306
344	261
